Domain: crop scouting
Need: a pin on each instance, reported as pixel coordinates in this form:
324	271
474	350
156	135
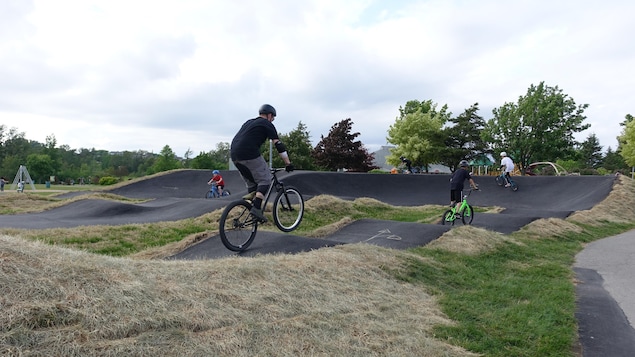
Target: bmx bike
465	212
213	192
237	227
501	180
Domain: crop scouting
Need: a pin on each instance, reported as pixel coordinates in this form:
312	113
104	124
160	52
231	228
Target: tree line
539	126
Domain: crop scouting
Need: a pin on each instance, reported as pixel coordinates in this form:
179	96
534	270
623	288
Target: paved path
605	271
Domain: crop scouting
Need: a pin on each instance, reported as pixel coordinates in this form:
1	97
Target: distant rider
508	165
408	164
456	184
217	180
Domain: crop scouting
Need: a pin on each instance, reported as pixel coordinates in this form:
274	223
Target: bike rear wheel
468	215
288	209
514	186
448	218
237	227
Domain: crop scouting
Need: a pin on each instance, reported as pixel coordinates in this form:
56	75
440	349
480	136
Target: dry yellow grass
332	302
468	240
548	227
15	203
618	207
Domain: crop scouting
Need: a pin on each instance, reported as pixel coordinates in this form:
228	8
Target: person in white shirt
508	166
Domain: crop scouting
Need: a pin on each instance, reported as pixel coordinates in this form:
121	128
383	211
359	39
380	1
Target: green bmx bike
465	212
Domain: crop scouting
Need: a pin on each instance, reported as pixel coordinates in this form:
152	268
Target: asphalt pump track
181	194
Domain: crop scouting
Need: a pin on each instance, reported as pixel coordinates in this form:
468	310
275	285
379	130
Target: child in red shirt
217	180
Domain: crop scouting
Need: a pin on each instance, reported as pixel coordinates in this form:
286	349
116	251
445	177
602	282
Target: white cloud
139	75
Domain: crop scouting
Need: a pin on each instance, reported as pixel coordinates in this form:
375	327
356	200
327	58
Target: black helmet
267	109
464	163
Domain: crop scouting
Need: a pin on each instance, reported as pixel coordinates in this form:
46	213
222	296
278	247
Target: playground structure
558	169
21	178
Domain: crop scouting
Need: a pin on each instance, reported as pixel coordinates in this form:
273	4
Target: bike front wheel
468	214
237	227
288	209
448	218
500	180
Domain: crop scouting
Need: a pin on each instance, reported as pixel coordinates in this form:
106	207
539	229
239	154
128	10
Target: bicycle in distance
501	180
465	212
237	227
214	193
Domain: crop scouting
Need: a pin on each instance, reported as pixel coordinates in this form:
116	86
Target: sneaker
507	185
258	214
250	196
457	216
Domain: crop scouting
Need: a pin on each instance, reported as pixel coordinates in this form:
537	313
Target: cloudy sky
139	74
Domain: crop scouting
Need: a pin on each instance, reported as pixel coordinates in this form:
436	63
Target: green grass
517	300
119	240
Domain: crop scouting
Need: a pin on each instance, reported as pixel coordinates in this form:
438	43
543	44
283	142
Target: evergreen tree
590	152
167	160
299	148
463	139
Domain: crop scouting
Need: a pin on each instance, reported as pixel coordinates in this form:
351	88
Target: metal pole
270	154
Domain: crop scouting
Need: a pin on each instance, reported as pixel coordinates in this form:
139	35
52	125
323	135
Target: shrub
108	180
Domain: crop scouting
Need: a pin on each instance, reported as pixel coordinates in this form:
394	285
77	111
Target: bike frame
450	216
463	202
275	184
505	178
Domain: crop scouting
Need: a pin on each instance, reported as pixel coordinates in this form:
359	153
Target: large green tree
14	149
167	160
613	161
339	150
52	152
417	133
539	127
217	159
40	167
627	139
620	138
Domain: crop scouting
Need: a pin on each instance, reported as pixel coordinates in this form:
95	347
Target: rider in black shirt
456	184
245	153
408	164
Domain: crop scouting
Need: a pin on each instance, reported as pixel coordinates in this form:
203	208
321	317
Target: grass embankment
492	294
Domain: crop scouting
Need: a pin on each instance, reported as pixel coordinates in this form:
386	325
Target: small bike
238	227
213	192
466	211
501	180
